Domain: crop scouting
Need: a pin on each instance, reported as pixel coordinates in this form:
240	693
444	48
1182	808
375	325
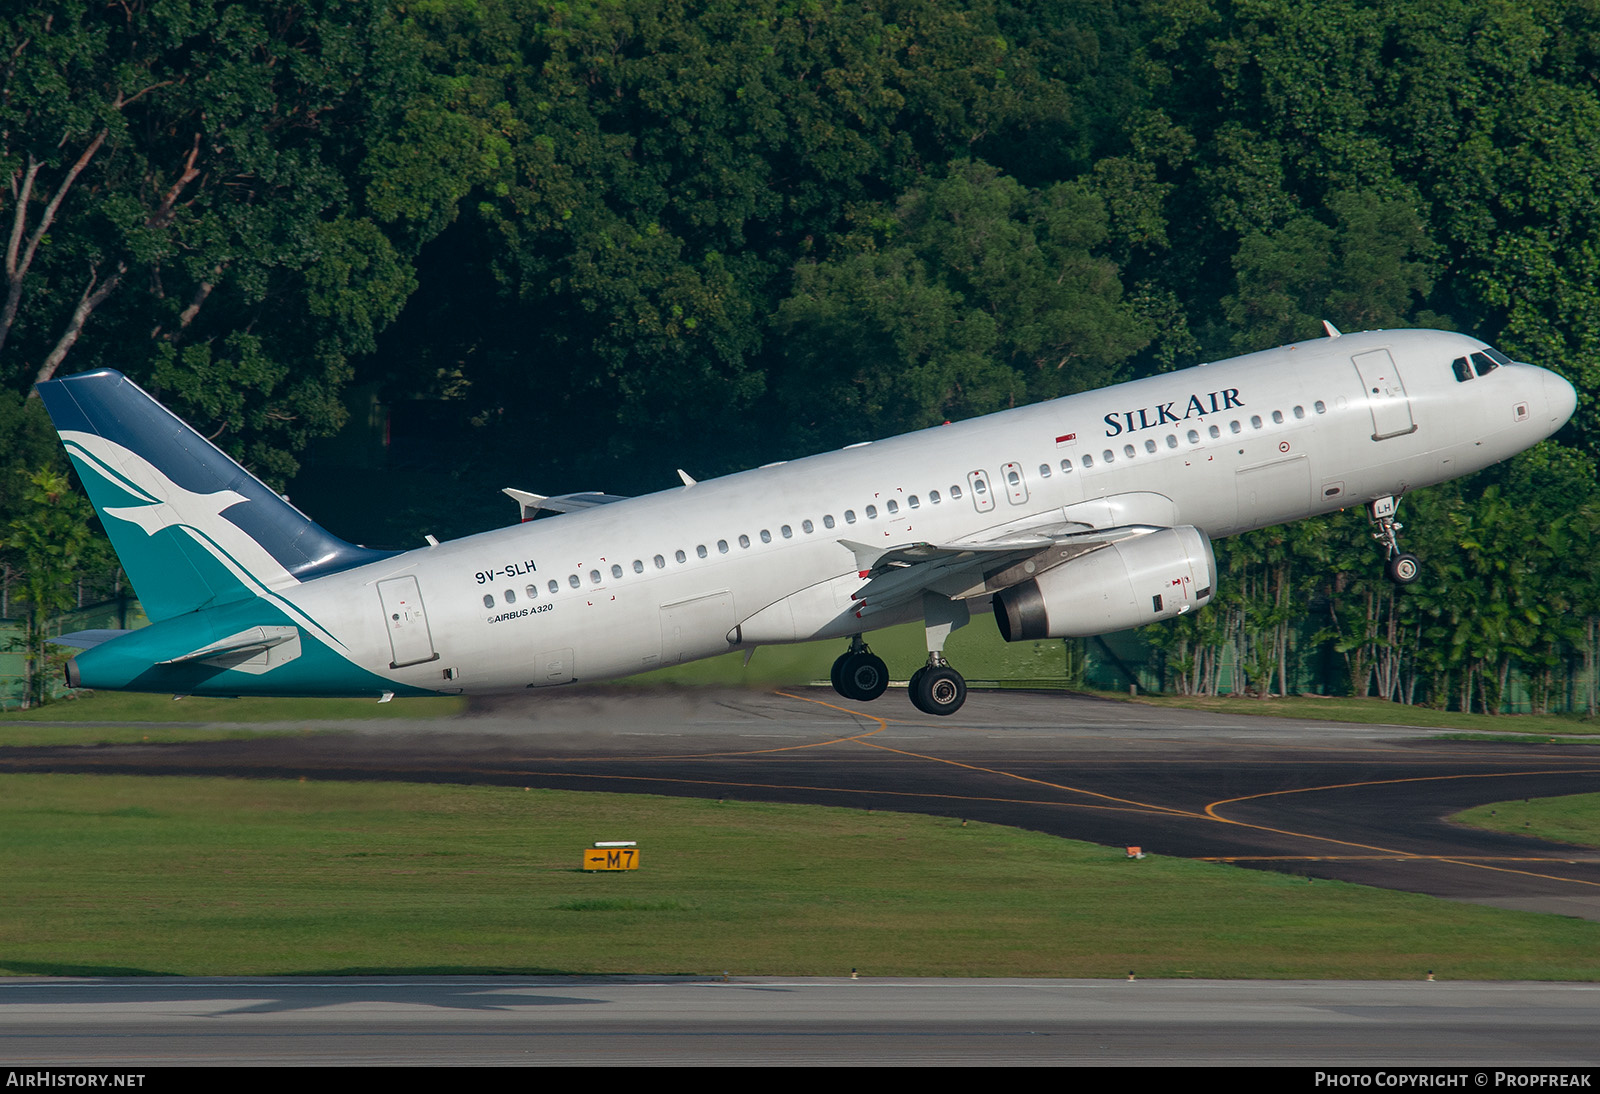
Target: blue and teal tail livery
193	529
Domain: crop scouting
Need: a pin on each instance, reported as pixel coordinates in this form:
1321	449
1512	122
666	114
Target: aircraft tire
836	675
864	676
940	691
1404	569
912	686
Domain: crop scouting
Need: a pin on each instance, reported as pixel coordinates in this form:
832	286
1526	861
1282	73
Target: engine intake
1125	584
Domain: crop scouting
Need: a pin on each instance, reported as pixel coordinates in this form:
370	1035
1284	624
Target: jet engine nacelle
1124	584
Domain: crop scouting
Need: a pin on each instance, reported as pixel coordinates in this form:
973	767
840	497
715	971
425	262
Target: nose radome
1562	397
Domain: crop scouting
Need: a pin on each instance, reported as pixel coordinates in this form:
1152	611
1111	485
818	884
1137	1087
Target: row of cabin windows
892	506
1193	436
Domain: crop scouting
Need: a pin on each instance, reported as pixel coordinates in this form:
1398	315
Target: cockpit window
1483	364
1463	370
1496	356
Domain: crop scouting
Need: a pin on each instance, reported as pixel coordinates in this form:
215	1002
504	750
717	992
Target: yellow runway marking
1211	813
1390	852
1143	807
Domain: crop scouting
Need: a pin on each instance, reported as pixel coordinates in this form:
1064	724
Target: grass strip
120	874
1572	818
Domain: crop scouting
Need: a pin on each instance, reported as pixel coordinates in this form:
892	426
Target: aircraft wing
561	503
964	569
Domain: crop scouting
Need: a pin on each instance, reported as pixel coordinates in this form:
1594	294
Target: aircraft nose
1562	397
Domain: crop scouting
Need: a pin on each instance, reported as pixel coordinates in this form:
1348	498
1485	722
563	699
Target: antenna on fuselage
1333	331
688	480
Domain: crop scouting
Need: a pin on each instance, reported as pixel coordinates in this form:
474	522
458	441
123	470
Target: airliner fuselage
929	525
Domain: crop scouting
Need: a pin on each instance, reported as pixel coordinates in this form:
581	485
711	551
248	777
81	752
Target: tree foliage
595	241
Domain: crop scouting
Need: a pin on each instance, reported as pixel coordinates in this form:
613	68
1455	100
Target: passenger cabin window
913	502
1320	407
532	591
553	586
594	577
827	520
572	579
933	496
892	506
616	570
722	546
787	532
1044	471
510	596
1255	421
1108	457
681	557
744	540
1277	417
1172	440
700	551
638	565
661	563
1194	437
1234	426
766	536
1299	412
807	527
1128	451
1149	445
1066	465
849	516
1215	432
488	600
955	492
872	512
1088	460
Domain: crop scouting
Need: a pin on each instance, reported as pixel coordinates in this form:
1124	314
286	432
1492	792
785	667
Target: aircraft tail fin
191	526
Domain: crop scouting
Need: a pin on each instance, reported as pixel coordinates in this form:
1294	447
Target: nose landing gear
1402	568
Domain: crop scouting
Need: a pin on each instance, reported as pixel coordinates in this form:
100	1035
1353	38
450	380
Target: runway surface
1329	800
128	1024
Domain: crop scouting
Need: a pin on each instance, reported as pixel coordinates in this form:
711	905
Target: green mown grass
110	874
1574	818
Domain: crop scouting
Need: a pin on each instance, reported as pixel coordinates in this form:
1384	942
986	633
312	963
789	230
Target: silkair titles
1131	421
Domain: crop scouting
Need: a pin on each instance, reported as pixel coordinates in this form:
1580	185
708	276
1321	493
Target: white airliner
1084	515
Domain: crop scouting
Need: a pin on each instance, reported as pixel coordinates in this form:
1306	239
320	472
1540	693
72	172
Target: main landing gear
935	688
1401	567
859	673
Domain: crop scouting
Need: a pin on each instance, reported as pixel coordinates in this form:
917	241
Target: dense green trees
604	239
187	202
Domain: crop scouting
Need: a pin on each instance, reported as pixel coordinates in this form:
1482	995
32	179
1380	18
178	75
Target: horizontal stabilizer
250	640
85	640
